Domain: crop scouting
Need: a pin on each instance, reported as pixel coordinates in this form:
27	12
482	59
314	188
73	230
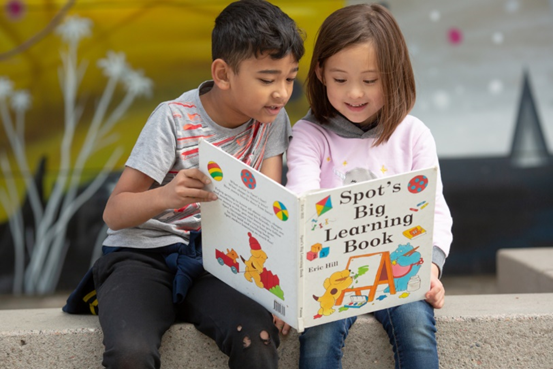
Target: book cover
324	255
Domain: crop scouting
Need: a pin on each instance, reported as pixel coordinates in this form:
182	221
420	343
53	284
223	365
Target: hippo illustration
406	262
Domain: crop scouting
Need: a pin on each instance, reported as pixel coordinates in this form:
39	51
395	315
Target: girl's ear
220	73
319	73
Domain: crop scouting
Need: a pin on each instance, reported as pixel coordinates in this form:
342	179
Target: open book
324	255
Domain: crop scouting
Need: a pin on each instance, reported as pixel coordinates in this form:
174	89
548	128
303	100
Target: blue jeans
410	327
321	346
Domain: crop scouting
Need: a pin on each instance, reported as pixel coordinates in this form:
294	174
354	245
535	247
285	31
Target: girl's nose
355	92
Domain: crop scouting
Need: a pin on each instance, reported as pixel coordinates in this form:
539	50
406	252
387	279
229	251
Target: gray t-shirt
169	143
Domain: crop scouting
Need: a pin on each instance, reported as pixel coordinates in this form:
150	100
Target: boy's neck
216	107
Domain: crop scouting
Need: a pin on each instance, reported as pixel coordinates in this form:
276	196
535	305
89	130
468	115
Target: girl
361	88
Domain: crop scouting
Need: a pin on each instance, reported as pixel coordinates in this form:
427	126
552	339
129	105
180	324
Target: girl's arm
424	156
132	202
304	158
272	168
436	295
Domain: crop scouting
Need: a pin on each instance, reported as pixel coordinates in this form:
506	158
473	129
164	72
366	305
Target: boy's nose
281	93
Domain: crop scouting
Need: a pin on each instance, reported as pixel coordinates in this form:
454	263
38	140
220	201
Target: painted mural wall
78	79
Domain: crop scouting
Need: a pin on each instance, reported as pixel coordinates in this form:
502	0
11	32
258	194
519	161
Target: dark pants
135	301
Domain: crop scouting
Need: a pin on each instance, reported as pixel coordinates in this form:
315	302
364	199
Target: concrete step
525	270
485	331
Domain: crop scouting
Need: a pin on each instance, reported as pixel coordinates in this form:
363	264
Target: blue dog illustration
406	262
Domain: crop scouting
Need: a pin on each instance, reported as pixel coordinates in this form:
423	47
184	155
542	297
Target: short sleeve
154	151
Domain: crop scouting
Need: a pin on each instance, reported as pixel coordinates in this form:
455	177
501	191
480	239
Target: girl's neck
368	126
364	126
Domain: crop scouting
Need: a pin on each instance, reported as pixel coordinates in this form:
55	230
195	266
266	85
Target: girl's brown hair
357	24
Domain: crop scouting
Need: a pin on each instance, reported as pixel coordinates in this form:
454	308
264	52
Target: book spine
301	261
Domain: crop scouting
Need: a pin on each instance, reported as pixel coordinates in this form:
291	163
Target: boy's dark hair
249	28
357	24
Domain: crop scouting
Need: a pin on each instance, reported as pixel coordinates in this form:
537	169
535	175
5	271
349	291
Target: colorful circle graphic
418	184
248	179
280	211
215	171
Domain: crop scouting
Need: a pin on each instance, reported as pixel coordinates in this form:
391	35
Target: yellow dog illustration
334	286
256	262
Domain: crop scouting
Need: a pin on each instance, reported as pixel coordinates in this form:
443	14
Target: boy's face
260	89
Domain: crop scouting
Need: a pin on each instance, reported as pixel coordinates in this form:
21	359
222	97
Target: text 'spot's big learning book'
323	255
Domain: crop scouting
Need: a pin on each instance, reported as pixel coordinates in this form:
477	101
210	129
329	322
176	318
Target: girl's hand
436	295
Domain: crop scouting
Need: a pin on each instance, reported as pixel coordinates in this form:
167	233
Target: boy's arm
133	203
272	168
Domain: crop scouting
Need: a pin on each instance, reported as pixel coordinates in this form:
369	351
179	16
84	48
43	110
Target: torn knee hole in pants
265	338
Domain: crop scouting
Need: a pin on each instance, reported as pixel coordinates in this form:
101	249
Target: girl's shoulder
413	122
307	126
412	125
304	123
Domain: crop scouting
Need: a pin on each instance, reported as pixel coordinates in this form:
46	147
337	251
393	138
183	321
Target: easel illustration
383	276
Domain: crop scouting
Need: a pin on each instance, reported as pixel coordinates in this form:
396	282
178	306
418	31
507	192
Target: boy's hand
282	327
436	295
187	188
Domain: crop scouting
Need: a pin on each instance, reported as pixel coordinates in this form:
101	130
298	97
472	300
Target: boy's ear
319	73
220	71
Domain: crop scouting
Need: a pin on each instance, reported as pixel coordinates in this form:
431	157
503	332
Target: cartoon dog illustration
334	285
232	254
406	262
256	262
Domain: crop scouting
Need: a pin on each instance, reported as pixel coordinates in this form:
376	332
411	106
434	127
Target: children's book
320	256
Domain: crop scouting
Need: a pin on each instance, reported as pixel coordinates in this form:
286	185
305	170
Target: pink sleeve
303	158
424	156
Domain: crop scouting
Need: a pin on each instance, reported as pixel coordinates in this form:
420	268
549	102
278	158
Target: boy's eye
266	81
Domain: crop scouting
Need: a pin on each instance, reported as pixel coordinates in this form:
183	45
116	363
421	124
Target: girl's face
353	84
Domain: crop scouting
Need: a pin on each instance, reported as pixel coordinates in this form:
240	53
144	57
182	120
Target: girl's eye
371	81
265	81
338	80
290	80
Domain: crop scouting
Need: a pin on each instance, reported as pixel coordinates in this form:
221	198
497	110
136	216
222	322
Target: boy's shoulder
187	106
187	100
192	95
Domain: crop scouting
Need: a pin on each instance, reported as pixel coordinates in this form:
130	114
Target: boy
151	272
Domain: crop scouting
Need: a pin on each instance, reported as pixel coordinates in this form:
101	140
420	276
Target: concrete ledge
525	270
486	331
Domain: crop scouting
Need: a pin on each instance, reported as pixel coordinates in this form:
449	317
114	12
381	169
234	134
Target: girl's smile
352	82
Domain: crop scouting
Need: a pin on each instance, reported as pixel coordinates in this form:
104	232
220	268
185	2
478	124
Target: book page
249	235
368	246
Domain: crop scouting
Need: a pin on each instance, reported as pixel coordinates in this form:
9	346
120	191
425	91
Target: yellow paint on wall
170	41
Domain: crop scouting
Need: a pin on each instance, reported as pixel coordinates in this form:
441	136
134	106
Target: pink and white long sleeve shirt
334	154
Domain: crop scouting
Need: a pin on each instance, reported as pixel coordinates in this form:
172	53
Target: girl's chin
356	120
